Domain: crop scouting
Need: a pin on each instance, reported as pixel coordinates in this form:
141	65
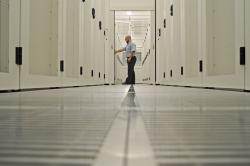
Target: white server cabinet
160	47
81	42
9	40
70	10
109	47
173	43
223	36
176	43
99	45
93	39
168	41
89	42
247	31
40	41
191	50
152	58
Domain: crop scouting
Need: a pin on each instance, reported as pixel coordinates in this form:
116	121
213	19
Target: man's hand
129	59
117	51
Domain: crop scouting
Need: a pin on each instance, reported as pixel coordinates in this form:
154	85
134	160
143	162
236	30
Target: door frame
153	78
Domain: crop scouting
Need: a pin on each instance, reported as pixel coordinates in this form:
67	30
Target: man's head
128	39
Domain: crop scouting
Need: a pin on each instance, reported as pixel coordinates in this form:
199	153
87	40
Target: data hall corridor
124	82
125	126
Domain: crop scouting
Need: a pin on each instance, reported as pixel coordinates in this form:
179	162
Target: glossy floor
125	126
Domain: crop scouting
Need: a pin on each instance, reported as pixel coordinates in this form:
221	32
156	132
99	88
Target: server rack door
191	43
99	44
223	36
247	30
81	43
71	42
9	40
88	41
152	58
160	54
93	41
40	33
168	40
175	57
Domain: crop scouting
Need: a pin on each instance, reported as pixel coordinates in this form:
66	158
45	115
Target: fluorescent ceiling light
129	13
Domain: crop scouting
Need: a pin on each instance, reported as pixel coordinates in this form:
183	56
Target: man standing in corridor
130	51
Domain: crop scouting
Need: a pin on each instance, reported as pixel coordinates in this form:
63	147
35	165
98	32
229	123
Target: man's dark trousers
131	72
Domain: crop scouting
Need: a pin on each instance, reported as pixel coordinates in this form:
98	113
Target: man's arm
118	51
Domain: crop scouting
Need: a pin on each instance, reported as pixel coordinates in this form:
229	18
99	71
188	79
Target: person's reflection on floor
129	100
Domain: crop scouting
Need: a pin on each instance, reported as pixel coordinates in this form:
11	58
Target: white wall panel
132	5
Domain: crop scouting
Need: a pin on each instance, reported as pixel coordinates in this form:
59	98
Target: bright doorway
141	26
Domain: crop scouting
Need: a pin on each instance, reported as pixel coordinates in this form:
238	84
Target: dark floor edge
68	87
144	83
210	88
47	88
